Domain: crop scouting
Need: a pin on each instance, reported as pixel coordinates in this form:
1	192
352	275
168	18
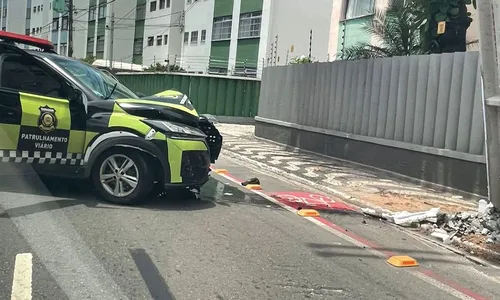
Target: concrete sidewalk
357	184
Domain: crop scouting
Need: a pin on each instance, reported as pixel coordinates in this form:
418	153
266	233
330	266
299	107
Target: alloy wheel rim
119	175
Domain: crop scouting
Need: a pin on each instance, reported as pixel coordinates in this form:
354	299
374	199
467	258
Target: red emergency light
45	45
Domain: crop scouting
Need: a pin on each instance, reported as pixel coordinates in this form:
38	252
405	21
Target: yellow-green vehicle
67	118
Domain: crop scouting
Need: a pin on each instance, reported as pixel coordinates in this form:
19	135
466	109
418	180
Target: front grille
195	166
214	139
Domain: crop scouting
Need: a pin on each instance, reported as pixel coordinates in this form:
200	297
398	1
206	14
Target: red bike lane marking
447	284
307	200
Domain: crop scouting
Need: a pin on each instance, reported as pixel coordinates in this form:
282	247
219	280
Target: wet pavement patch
224	193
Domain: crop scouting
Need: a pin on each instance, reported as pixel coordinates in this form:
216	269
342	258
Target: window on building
203	36
152	6
159	40
34	9
168	3
38	8
162	4
151	41
137	46
165	39
28	13
32	31
37	30
5	12
186	37
194	37
63	49
92	13
55	24
102	11
41	7
100	44
140	13
250	25
189	1
90	45
222	28
15	67
27	32
64	25
357	8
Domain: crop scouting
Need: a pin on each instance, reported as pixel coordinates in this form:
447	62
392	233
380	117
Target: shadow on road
340	250
22	180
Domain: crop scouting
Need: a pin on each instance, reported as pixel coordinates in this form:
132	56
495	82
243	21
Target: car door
41	116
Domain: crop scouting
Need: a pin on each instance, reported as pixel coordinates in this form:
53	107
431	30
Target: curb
397	176
358	204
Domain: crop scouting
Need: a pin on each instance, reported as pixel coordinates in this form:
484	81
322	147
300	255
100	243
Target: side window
22	75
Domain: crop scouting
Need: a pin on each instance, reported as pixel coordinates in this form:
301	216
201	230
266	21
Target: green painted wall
247	49
137	59
250	6
139	29
101	26
223	8
209	94
91	29
354	32
219	54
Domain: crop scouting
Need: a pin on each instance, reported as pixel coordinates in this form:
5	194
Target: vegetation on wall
158	67
89	59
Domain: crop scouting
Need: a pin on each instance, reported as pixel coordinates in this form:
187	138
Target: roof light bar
27	40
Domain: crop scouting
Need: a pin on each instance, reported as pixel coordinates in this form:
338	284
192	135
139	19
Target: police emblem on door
47	122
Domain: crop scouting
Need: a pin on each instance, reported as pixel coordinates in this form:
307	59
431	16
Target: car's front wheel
122	177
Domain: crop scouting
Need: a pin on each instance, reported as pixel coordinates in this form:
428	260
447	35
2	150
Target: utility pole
111	35
70	28
489	15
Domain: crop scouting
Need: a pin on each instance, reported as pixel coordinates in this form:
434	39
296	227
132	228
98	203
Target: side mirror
75	95
140	95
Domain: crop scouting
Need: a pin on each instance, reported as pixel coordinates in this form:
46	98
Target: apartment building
348	17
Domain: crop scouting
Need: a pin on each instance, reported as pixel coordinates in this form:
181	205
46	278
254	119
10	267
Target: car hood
157	109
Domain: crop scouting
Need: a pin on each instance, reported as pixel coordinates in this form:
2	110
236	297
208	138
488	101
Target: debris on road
448	227
250	181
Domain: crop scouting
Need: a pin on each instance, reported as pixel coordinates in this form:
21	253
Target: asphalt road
231	244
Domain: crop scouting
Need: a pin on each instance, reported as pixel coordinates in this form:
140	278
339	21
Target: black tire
144	184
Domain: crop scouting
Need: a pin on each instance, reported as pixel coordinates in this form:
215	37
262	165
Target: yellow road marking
21	285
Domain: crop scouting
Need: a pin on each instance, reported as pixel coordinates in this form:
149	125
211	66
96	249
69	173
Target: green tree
396	29
410	27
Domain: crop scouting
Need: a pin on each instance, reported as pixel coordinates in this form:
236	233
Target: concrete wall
424	105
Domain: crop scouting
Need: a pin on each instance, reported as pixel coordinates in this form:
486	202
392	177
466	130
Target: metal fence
422	101
217	95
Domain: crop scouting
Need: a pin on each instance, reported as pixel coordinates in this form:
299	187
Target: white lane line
23	270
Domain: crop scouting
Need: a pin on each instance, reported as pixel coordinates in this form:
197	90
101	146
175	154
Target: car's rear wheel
122	177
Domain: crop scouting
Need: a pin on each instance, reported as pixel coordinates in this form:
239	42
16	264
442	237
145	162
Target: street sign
441	27
59	6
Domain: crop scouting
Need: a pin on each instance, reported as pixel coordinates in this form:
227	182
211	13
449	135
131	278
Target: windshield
101	84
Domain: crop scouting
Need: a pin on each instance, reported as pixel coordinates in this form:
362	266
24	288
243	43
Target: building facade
226	37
